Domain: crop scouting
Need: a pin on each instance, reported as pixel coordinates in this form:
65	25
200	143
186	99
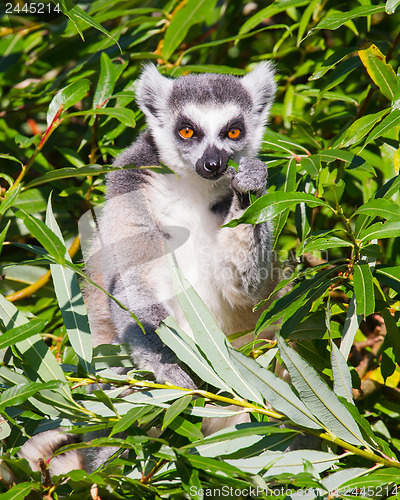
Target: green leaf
392	275
9	200
380	207
183	427
273	9
70	300
76	14
293	462
389	122
18	394
129	419
360	128
334	21
297	293
19	333
351	325
67	97
34	350
194	12
19	491
176	409
44	235
364	288
380	231
320	244
391	6
318	397
341	374
188	352
213	465
106	83
378	69
276	392
271	205
3	235
208	335
124	115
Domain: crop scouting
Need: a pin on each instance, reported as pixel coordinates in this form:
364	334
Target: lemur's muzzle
213	163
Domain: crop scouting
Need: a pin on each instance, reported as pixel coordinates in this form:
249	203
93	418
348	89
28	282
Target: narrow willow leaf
9	199
351	325
331	61
15	335
212	464
183	427
34	350
106	83
271	205
20	491
176	409
312	165
67	97
334	21
208	335
193	12
378	69
3	235
274	312
271	10
130	418
66	173
380	207
391	6
390	188
188	352
124	115
18	394
70	300
392	275
356	162
364	288
76	14
360	128
44	235
320	244
109	355
305	19
294	319
341	374
318	397
389	122
292	462
277	393
380	231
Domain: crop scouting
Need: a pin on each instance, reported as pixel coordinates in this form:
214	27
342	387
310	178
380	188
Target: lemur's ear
152	91
261	85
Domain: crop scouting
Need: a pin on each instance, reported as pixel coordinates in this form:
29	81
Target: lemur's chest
190	225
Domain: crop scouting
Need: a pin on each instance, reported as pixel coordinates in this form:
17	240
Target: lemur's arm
133	244
248	247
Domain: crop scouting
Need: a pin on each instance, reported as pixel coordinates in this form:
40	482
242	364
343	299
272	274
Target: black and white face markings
199	122
207	139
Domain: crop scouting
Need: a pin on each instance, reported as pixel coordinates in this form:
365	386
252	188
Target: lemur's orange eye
234	133
186	132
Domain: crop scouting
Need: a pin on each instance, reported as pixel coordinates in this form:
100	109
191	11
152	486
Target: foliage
67	108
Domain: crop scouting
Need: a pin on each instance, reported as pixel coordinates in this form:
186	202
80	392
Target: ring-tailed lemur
196	123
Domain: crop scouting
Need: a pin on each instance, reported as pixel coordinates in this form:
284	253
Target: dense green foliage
67	108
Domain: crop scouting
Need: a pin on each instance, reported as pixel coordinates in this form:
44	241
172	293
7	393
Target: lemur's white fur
228	267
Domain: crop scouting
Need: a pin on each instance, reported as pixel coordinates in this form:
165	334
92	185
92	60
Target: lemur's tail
43	445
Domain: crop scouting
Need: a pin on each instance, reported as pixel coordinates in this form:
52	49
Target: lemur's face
208	136
199	122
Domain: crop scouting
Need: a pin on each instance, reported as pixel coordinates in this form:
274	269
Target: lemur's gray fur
228	267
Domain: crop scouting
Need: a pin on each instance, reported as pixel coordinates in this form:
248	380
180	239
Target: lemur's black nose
212	166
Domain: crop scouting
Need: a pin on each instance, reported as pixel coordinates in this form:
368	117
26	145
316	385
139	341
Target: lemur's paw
251	177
